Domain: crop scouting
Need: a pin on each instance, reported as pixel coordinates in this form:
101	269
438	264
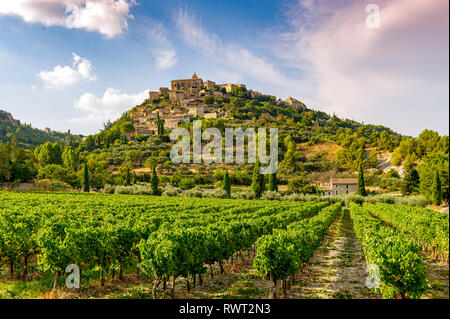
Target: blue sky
73	64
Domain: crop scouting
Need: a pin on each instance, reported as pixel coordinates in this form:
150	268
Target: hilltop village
187	99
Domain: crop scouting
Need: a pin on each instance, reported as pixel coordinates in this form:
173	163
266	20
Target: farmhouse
340	186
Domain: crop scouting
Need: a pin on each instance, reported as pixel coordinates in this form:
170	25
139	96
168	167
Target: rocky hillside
26	135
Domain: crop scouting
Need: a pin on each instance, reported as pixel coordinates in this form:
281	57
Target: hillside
26	135
314	147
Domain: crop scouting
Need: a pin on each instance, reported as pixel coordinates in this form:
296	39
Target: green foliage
70	158
127	128
401	267
258	186
86	184
437	189
5	165
187	183
411	181
154	182
427	170
361	188
273	184
285	252
48	153
27	136
127	177
227	184
208	100
429	227
372	159
300	185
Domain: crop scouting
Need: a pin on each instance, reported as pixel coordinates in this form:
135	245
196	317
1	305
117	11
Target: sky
74	64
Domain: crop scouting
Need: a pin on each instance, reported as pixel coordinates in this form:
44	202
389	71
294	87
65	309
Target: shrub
170	190
416	200
187	183
216	193
120	189
271	195
109	189
50	185
243	195
353	198
194	192
141	190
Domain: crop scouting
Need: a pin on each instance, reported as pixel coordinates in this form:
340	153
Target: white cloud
63	76
229	55
376	75
161	47
108	107
108	17
165	58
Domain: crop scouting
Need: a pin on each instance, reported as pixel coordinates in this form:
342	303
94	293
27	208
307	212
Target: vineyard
163	247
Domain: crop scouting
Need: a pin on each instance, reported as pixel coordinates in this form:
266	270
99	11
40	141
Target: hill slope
26	135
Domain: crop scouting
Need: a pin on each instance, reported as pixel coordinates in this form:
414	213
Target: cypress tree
257	180
154	182
273	183
128	178
134	178
437	189
361	190
227	184
160	125
86	185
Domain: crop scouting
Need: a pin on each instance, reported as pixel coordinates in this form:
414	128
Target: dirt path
337	270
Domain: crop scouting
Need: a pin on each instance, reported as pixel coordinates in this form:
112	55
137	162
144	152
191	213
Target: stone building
340	186
211	115
176	96
230	87
210	85
295	103
163	91
153	95
196	111
187	83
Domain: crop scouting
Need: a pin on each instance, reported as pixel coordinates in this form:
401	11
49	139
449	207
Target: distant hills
28	136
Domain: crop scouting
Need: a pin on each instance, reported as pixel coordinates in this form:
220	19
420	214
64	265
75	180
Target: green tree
273	183
128	177
160	125
430	164
411	181
437	189
288	163
208	100
70	158
361	189
48	153
135	156
257	180
127	128
5	166
227	184
154	182
372	159
86	185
